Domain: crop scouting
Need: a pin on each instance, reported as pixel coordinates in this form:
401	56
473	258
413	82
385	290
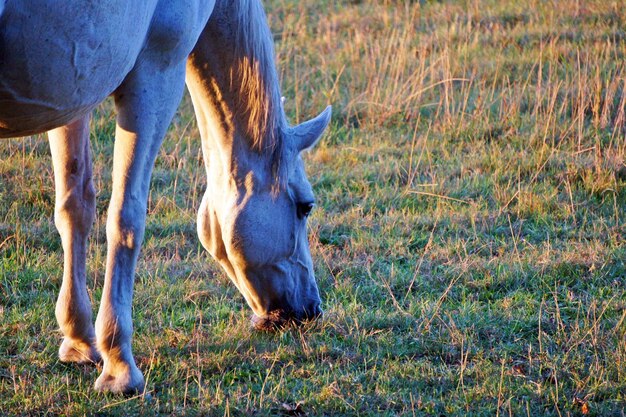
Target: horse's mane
257	80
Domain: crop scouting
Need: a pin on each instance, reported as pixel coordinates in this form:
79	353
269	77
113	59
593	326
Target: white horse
58	60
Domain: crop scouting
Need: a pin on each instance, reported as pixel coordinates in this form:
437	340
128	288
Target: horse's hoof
127	383
78	352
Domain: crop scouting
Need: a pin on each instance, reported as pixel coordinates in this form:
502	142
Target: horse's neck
233	83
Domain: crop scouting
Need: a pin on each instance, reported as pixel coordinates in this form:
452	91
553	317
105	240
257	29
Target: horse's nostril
313	312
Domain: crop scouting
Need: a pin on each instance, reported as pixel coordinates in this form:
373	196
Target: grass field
469	239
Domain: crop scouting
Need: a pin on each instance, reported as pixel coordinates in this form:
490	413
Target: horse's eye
304	209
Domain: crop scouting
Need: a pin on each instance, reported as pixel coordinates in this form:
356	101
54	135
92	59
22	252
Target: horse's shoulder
175	26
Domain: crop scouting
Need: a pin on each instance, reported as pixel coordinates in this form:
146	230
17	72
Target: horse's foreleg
74	215
146	102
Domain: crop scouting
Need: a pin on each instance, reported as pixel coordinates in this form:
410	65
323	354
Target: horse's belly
20	118
60	59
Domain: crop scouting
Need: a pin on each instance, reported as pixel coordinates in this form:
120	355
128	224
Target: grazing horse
58	60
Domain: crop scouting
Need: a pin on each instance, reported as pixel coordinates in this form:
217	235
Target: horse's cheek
263	233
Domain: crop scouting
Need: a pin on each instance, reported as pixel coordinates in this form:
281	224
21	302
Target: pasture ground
468	240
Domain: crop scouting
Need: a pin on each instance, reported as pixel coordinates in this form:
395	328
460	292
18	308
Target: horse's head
257	230
253	215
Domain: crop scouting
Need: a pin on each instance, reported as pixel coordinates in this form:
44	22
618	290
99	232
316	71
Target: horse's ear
308	133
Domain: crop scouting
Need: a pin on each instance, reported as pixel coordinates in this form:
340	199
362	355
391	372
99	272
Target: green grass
469	240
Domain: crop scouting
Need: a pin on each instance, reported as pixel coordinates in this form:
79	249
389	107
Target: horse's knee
77	208
126	224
